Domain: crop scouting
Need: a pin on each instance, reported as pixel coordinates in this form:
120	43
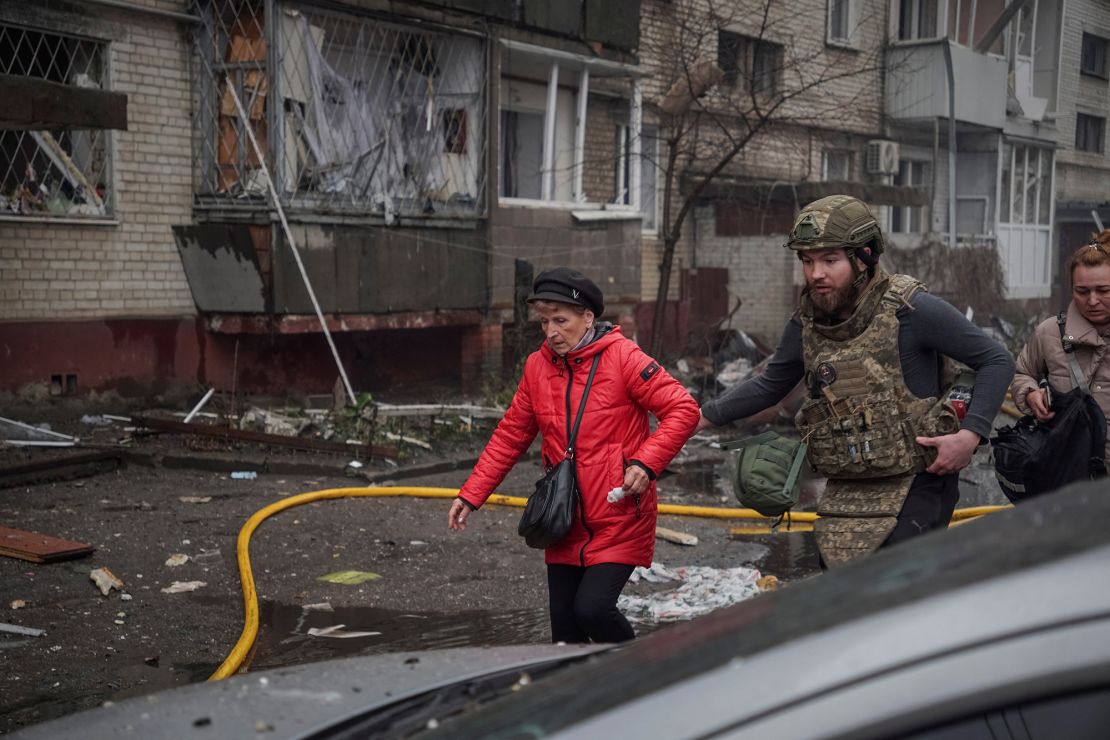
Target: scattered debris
678	538
178	587
18	434
349	577
432	409
200	405
61	468
244	475
407	440
105	580
702	591
194	499
177	559
152	661
39	548
271	422
97	420
125	597
767	583
337	630
205	555
15	629
321	606
18	604
304	443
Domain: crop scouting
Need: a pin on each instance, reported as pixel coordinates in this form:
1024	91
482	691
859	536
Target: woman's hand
456	517
703	423
1037	401
636	480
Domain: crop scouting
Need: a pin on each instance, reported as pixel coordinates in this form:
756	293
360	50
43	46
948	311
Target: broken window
836	165
357	114
63	172
750	64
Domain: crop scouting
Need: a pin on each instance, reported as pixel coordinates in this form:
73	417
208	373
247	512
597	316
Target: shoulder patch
648	372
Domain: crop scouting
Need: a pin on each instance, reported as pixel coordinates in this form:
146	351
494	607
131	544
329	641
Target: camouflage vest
860	419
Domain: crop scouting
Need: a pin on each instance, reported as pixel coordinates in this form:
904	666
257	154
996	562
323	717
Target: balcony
917	84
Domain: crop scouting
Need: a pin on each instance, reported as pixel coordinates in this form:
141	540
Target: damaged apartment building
963	123
425	159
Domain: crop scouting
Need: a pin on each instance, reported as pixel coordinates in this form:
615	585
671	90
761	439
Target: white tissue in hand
616	495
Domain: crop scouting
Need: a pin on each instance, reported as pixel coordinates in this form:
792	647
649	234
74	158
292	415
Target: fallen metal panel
34	104
222	267
246	435
39	548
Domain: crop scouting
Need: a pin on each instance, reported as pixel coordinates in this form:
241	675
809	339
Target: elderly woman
615	449
1087	329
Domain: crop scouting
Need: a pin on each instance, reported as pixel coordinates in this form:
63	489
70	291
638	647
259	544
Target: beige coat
1043	355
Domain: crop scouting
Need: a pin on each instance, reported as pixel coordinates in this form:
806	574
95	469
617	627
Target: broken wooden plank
678	538
60	468
246	435
39	548
16	431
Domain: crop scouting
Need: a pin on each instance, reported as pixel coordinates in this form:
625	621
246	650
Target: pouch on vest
767	472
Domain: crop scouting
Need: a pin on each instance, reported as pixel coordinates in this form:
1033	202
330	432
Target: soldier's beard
839	299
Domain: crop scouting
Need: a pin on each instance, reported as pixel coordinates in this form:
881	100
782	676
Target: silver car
999	628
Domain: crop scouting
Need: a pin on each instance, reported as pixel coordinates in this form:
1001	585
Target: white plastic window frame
827	156
649	140
579	66
849	19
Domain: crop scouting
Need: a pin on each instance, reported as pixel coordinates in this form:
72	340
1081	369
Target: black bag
1032	457
550	509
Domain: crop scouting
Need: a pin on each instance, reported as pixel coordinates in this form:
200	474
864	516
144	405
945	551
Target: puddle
284	639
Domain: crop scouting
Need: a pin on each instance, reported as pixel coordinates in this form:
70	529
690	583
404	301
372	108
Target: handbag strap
572	434
1077	375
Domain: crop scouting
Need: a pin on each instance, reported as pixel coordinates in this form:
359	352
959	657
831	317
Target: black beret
564	285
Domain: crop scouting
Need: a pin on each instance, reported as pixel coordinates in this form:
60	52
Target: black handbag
550	509
1032	457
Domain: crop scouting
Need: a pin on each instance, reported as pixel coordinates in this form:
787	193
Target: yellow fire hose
247	637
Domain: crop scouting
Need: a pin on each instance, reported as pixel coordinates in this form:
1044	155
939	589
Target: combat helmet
837	221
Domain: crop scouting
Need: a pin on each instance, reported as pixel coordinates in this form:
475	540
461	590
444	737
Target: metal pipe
947	45
132	7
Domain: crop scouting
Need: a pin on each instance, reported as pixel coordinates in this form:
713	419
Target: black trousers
583	603
928	505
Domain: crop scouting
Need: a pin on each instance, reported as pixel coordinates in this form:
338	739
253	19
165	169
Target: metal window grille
61	173
356	115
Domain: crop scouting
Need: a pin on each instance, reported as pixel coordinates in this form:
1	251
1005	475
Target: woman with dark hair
1086	329
617	456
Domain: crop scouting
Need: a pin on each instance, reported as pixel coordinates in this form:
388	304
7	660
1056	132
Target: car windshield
1037	532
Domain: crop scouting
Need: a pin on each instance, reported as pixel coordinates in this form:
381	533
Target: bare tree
748	74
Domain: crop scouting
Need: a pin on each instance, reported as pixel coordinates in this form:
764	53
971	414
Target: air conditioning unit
881	157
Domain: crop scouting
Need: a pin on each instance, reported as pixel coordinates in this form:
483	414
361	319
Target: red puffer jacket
614	431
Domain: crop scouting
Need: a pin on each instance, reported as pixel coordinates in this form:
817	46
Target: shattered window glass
61	173
358	114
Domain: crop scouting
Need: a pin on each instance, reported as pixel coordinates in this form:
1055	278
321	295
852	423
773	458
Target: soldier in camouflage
872	349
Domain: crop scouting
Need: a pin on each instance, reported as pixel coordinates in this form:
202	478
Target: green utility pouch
767	472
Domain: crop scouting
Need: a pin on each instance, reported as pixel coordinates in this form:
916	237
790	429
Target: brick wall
130	267
761	274
1081	176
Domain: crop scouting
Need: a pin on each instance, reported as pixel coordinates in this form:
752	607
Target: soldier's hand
703	423
1037	401
954	451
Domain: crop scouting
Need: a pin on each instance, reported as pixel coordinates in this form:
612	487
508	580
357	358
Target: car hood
295	701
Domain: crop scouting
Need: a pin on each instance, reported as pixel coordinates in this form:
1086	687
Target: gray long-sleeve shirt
934	327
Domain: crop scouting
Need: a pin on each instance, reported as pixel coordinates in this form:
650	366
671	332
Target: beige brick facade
1081	175
128	265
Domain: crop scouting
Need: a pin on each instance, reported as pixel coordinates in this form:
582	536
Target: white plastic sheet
701	591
